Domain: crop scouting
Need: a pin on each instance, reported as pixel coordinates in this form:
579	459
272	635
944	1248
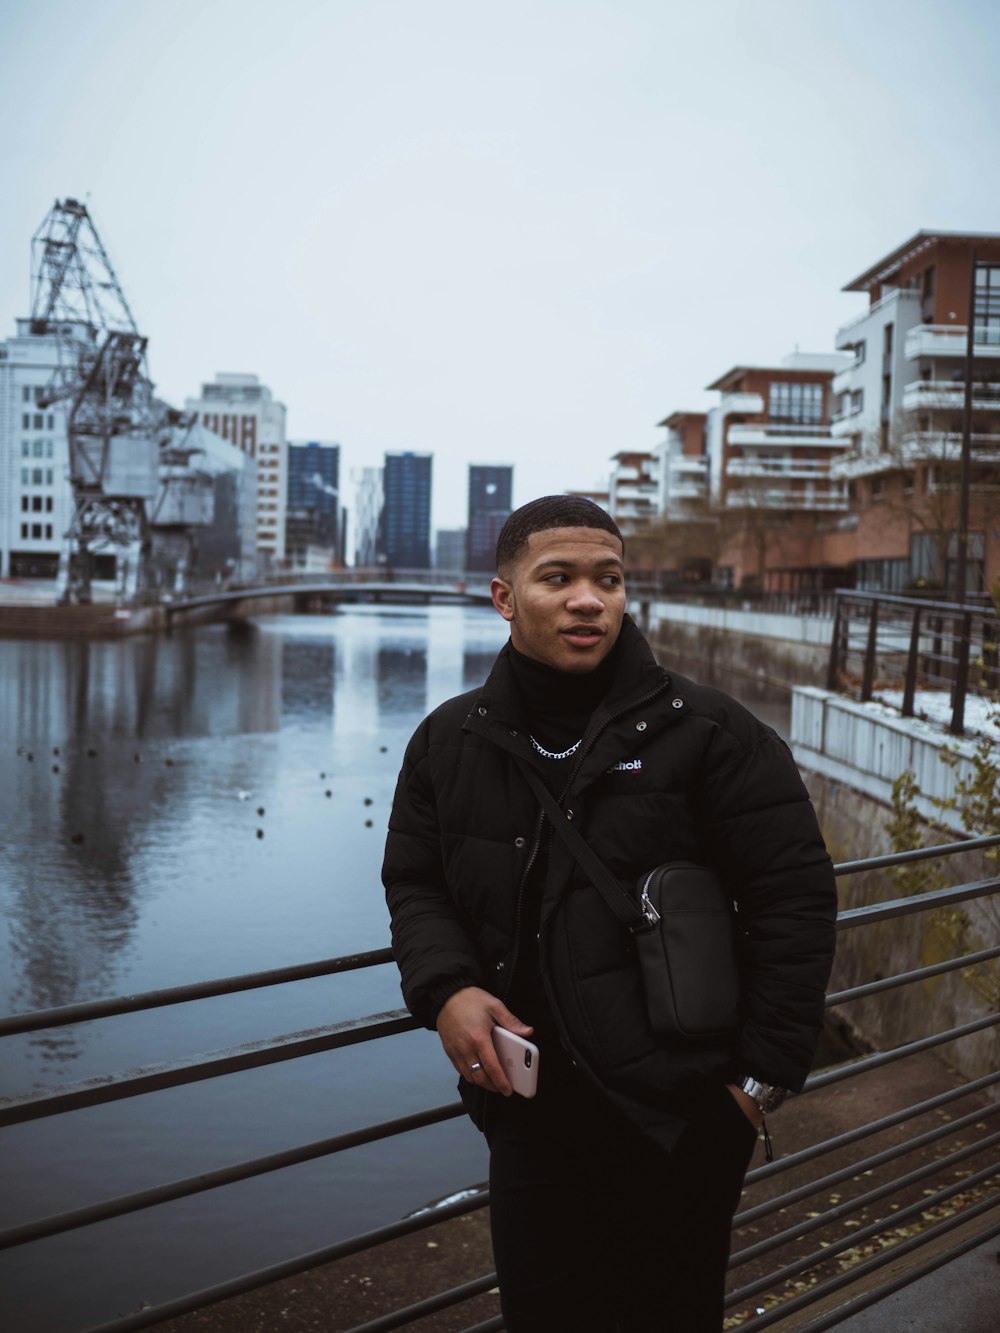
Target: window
39	421
857	401
859	353
887	340
986	318
50	423
39	449
48	476
26	393
878	489
25	448
796	404
36	476
36	503
26	421
26	476
24	504
48	531
48	449
24	531
36	531
48	504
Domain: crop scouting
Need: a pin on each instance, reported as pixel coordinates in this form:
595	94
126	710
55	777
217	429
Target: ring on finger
475	1068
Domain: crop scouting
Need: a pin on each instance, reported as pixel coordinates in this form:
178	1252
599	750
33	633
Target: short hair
550	511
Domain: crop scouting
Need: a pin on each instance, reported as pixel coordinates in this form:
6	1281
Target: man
612	1191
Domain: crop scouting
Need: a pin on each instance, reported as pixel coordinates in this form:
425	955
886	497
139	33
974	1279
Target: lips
584	636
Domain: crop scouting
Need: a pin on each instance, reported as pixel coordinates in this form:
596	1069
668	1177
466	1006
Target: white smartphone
519	1059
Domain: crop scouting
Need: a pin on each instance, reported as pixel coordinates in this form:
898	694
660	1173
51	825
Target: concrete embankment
101	620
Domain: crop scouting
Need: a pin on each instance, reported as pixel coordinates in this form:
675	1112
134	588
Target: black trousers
598	1230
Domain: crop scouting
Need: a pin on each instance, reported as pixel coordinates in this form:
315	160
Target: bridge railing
872	1247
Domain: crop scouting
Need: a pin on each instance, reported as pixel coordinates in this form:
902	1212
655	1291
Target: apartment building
633	489
367	513
244	412
36	500
683	466
405	523
899	411
490	490
770	475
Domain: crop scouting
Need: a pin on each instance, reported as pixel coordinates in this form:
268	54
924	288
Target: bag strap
628	912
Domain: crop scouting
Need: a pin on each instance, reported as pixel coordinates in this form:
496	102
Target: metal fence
883	642
944	1176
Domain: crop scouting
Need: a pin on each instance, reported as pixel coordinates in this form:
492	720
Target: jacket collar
638	678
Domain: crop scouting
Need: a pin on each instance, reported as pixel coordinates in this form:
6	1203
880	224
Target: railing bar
57	1223
288	1267
853	1238
866	1299
114	1006
238	1059
853	1205
493	1325
863	1132
918	854
906	978
922	902
887	1256
443	1301
200	990
868	1062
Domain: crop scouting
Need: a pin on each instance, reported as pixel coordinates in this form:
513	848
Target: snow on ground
982	716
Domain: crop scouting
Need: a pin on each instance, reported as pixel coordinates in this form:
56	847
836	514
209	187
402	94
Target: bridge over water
290	595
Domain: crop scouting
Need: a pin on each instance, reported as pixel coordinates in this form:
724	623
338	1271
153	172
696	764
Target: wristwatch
766	1095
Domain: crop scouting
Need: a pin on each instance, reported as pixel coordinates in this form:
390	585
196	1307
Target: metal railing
882	643
826	1210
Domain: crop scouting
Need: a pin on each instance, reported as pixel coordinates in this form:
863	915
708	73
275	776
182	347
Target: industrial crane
117	430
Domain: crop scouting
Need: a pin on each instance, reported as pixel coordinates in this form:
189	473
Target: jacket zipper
574	1055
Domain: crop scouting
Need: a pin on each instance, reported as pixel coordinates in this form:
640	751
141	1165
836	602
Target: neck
568	696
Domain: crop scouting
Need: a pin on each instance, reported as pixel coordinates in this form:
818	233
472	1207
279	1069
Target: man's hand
747	1105
465	1026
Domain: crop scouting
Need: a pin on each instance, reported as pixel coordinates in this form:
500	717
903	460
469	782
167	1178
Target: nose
584	599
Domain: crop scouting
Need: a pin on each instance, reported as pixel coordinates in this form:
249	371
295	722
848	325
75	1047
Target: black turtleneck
558	705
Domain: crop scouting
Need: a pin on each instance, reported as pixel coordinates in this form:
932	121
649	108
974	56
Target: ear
502	593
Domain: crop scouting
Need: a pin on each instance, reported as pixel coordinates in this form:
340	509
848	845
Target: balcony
927	395
788	436
684	463
686	490
944	340
939	447
811	501
778	467
844	380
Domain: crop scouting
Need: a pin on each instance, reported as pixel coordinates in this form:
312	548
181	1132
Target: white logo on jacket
626	766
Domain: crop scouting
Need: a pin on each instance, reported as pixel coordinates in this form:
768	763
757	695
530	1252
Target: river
192	807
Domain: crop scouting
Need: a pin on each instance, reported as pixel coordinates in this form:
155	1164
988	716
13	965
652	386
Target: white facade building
633	489
244	412
36	501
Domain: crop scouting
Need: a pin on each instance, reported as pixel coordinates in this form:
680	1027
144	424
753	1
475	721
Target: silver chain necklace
550	754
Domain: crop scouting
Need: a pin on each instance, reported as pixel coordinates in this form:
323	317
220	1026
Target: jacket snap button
676	703
500	965
513	731
518	842
640	726
481	712
569	814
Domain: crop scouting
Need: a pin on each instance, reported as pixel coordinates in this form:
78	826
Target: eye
612	580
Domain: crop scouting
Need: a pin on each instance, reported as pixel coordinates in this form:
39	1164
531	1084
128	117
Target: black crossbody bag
684	925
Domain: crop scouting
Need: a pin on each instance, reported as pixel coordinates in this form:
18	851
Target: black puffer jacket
669	770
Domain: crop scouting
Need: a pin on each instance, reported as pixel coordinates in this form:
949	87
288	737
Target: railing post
868	678
957	727
909	688
833	667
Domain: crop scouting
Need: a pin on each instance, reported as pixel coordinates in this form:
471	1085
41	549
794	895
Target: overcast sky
514	232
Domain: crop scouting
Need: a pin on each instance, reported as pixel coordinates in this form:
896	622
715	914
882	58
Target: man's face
565	597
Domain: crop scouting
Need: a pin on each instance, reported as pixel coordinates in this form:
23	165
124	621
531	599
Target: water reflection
402	680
